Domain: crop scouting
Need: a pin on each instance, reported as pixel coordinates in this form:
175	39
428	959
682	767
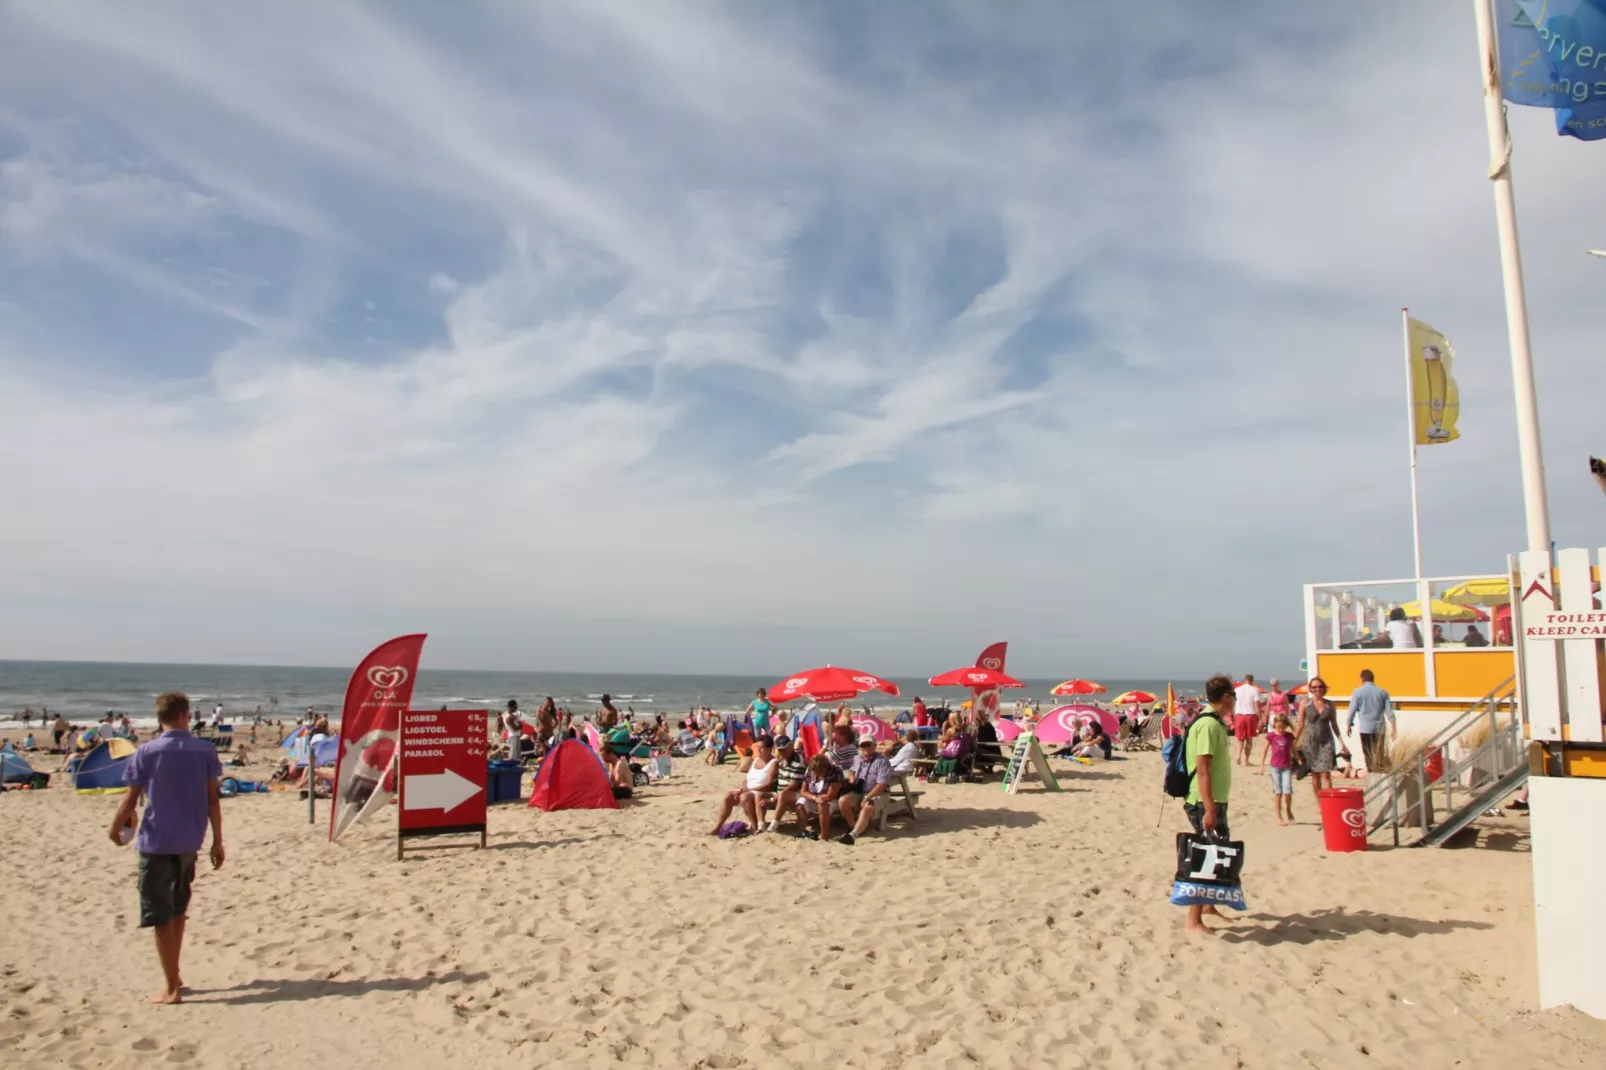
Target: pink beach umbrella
1062	725
874	728
1008	731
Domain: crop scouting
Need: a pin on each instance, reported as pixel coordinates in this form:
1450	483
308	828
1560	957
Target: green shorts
164	887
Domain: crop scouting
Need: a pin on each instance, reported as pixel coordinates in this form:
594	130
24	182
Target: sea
84	691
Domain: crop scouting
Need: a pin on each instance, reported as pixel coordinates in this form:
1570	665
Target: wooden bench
901	800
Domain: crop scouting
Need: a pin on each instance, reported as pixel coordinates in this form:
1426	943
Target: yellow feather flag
1435	399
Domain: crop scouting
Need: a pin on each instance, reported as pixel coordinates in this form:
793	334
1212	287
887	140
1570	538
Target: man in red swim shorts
1246	722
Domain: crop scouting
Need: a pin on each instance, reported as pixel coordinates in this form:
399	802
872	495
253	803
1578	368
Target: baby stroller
638	768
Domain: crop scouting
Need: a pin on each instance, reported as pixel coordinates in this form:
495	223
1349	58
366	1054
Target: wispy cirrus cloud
788	326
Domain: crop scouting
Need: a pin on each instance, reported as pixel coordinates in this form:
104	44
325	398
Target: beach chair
1126	736
1148	737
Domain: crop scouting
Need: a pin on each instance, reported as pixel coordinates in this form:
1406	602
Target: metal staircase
1470	782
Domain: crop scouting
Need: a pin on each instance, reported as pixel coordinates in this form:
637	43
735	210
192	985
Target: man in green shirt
1209	758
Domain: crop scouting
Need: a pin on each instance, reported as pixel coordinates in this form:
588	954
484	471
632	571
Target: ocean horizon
86	690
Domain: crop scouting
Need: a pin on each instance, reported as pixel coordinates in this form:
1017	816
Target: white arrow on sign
439	791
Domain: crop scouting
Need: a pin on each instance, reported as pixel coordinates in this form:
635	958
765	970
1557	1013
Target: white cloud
1076	325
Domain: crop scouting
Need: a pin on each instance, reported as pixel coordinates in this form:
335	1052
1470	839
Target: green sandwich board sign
1028	750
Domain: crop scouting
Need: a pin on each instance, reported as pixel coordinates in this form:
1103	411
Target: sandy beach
995	931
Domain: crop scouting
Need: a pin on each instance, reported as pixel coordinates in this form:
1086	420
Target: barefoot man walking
177	776
1209	750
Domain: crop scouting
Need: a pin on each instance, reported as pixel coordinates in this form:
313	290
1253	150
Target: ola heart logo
993	664
387	679
795	682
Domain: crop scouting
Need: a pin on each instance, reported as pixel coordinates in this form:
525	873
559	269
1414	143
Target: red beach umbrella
976	678
829	684
1135	698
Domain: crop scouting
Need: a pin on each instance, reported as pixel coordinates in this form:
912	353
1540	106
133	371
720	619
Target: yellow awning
1487	591
1444	611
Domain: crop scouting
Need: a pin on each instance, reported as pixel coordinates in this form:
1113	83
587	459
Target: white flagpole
1410	438
1535	503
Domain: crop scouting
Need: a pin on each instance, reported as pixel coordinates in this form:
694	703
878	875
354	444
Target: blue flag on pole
1553	55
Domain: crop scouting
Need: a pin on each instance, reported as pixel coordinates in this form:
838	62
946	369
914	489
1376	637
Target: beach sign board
441	773
1028	753
1566	624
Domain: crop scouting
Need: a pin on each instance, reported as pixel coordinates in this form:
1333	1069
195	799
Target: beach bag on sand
1209	871
733	830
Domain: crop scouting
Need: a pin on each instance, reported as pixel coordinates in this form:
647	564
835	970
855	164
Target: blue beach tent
101	771
14	768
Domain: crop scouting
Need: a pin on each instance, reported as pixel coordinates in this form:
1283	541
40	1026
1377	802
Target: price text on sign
1567	624
443	767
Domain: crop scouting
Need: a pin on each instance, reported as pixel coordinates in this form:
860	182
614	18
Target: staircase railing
1408	796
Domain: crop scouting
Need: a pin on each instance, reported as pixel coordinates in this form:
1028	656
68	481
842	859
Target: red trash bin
1433	765
1343	818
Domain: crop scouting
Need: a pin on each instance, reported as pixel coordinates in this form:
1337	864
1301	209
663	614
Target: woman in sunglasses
1317	736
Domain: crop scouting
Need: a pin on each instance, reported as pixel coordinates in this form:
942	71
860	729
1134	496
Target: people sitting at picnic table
869	780
821	788
903	758
758	787
789	776
951	749
988	753
844	746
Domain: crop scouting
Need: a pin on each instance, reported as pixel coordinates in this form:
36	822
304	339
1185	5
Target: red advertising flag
993	657
380	689
442	771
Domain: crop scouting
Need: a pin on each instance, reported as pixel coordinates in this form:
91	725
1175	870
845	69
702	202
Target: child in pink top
1280	752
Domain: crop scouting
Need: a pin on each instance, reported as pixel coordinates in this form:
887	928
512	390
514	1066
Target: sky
743	338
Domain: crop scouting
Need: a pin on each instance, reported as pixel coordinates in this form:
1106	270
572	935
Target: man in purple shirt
871	777
177	776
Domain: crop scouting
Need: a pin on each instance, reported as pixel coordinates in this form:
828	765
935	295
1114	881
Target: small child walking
177	776
1280	750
